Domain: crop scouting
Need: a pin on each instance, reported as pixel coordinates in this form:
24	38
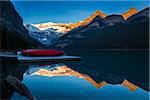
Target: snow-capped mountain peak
31	28
47	33
59	27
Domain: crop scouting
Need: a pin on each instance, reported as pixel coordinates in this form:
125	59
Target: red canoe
42	52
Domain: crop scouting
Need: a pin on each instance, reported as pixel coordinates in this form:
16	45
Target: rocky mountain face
125	15
110	32
129	13
13	34
47	33
144	14
113	19
88	20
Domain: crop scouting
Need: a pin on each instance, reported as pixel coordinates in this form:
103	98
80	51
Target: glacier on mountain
47	33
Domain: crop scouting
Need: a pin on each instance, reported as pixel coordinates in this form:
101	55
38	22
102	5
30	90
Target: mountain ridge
87	20
122	34
65	28
129	13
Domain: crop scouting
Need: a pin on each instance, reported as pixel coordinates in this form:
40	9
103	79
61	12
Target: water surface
99	75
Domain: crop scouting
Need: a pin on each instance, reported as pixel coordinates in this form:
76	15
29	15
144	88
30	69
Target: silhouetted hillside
13	34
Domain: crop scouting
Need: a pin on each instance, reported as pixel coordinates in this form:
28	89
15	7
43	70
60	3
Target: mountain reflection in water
109	75
65	71
57	81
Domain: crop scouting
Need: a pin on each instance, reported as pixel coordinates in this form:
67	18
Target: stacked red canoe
33	52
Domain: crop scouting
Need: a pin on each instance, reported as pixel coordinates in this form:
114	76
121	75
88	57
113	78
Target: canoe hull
32	53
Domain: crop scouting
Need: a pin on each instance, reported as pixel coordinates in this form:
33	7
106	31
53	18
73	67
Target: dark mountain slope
115	33
139	16
13	34
113	19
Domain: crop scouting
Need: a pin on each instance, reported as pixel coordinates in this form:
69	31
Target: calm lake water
105	75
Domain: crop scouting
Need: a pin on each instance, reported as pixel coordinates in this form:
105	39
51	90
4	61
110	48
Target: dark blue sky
70	11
